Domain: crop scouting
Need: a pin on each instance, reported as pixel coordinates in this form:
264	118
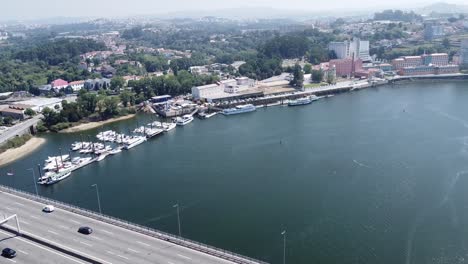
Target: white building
39	103
347	49
77	85
222	88
341	49
464	52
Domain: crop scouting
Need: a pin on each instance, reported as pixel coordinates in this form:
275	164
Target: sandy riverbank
91	125
13	154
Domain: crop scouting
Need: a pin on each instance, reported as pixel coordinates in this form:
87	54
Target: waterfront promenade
113	240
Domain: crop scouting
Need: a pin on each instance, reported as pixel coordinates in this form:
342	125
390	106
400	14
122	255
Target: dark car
85	230
8	253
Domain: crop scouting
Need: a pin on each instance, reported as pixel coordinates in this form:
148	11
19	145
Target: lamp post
34	181
178	218
284	246
97	194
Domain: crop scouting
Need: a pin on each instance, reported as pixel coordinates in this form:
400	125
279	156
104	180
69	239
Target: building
77	85
15	111
429	69
346	67
464	52
347	49
59	84
199	70
329	72
341	49
407	61
97	84
222	89
435	59
433	31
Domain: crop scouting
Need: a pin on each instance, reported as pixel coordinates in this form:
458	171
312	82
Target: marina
318	170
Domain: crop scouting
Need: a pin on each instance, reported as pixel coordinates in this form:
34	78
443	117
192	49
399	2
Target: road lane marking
110	252
20	204
129	249
144	244
63	227
170	262
105	231
14	261
24	222
73	221
8	208
87	244
182	256
41	247
97	238
35	217
24	252
122	257
50	231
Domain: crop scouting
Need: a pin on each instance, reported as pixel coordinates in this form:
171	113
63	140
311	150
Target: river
372	176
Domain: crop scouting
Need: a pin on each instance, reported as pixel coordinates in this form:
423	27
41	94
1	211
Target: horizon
48	10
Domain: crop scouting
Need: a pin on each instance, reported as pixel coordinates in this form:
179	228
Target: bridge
40	237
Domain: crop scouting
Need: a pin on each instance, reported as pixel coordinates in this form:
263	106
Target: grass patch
15	142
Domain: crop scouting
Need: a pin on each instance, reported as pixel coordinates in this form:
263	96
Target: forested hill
57	52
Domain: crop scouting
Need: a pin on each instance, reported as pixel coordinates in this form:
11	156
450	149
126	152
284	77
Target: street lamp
97	194
284	246
178	217
34	180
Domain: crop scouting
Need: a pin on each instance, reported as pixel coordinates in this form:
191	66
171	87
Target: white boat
139	130
300	101
168	126
55	177
102	156
115	151
79	145
134	141
151	132
206	116
81	162
184	120
53	159
240	109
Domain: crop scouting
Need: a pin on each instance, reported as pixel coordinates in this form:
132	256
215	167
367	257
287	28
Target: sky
34	9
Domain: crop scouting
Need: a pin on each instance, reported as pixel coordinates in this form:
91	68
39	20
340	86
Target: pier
112	241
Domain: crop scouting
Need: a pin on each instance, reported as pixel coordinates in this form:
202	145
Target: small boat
151	132
300	101
134	141
206	115
184	120
115	151
102	156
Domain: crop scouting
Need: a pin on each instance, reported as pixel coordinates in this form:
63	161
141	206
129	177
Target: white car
48	208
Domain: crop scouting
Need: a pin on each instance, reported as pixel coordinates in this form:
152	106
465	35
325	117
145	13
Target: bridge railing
181	241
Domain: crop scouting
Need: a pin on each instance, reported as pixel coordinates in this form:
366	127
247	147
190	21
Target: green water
375	176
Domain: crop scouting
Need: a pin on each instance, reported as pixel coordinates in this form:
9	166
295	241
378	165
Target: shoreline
14	154
91	125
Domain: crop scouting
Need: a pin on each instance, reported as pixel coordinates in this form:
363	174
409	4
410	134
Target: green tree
29	112
8	120
127	98
307	68
298	77
317	76
446	43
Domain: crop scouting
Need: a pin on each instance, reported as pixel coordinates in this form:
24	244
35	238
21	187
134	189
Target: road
30	252
13	131
107	244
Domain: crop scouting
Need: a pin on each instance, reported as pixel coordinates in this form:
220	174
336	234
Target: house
77	85
59	84
97	84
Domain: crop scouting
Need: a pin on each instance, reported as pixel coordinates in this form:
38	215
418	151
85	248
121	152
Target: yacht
239	109
182	121
81	162
134	141
52	178
115	151
59	158
102	156
151	132
206	115
300	101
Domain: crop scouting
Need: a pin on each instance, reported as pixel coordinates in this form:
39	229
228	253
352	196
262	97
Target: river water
374	176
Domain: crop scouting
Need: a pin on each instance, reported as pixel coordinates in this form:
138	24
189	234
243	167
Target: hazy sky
32	9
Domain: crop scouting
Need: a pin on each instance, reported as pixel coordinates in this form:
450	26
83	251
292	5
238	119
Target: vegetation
298	77
317	76
15	142
397	15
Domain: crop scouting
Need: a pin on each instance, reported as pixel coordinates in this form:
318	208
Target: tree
317	76
298	77
8	120
111	104
446	43
307	68
127	98
29	112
